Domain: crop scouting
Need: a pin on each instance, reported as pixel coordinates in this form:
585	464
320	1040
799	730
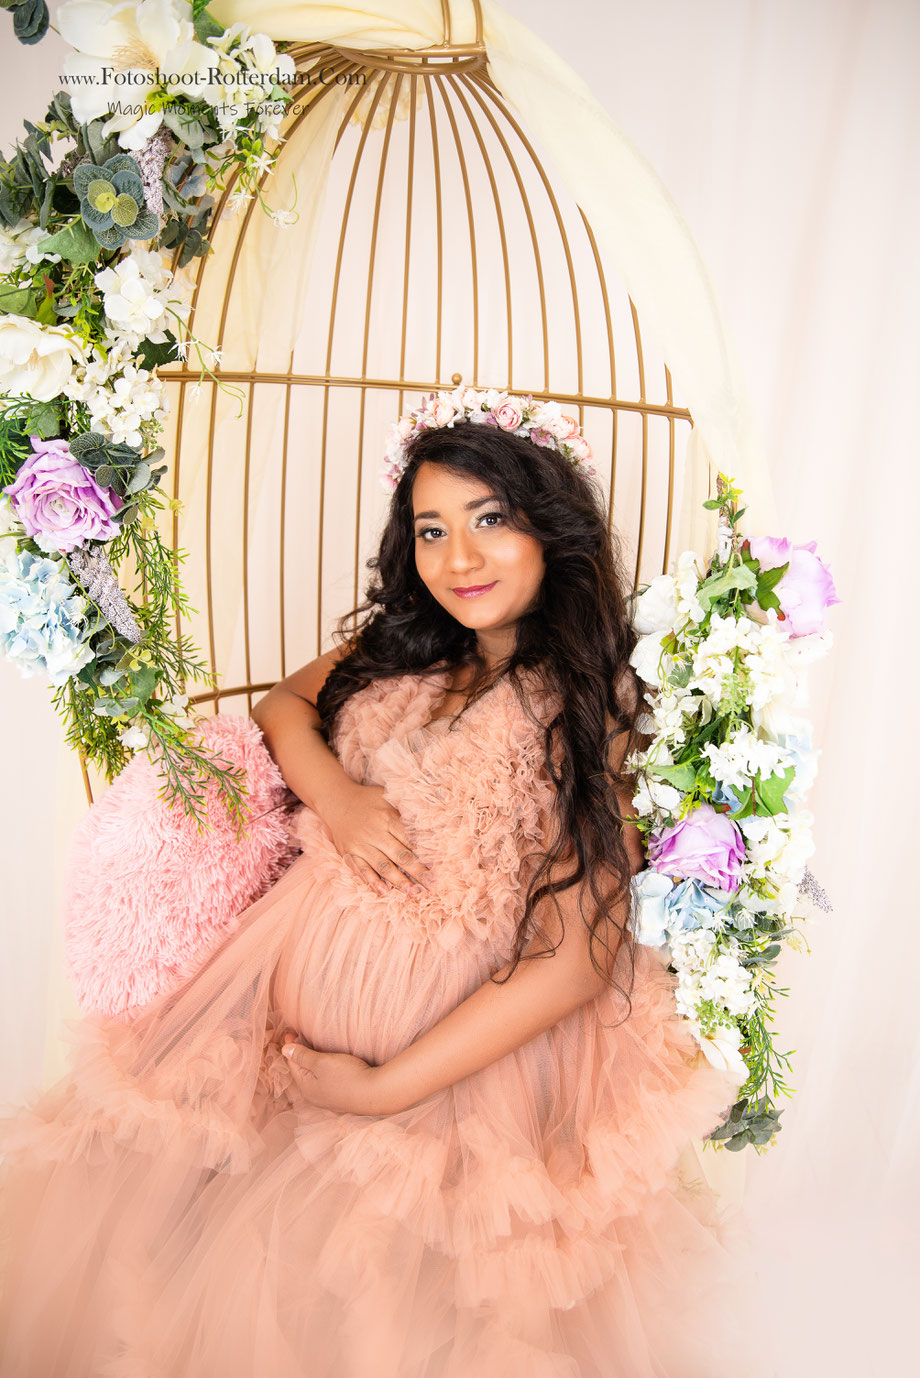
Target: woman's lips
474	590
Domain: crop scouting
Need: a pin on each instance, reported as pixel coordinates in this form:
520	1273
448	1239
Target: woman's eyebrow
467	507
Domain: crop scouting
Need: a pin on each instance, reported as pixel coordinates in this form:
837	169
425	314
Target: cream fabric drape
635	220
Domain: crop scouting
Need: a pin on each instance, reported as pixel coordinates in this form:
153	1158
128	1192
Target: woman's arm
291	729
365	828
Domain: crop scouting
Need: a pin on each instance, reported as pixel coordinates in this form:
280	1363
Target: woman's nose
462	554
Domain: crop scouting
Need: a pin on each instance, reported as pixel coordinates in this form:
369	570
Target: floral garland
542	423
721	789
163	106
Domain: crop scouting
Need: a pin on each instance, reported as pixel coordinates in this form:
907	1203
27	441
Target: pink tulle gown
177	1209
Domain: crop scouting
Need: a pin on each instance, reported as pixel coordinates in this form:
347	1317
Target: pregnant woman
419	1116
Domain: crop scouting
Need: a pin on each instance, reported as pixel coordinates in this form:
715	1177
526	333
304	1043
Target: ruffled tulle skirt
174	1211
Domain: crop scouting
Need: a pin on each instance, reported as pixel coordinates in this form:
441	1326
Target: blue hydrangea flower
723	795
691	905
660	908
42	624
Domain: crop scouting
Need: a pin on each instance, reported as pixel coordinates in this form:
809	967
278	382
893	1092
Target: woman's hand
369	834
336	1081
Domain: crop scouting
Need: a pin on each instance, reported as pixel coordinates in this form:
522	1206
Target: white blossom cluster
247	63
709	968
142	300
120	396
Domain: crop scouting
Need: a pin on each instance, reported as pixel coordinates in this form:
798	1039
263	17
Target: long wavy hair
578	636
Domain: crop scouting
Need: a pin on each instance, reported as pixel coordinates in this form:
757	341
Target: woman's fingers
407	861
387	868
364	871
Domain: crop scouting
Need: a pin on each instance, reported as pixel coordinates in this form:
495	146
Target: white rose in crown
35	360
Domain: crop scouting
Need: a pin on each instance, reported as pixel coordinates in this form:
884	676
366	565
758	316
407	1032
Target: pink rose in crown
509	415
59	503
705	846
806	590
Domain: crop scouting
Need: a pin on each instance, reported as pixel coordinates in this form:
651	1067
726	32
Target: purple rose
59	502
806	590
705	846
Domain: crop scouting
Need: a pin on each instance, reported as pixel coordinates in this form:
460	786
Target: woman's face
483	571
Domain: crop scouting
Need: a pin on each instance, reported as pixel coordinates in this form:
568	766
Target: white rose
35	360
645	658
442	413
656	607
722	1049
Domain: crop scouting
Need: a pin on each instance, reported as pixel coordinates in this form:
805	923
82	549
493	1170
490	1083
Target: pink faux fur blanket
148	896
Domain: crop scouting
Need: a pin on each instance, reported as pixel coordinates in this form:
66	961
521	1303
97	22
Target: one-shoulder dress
175	1210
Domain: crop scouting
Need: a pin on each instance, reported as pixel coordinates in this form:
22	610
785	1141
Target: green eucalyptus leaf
144	226
139	479
111	676
129	705
106	708
105	475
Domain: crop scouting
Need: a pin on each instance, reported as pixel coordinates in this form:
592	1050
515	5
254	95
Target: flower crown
543	423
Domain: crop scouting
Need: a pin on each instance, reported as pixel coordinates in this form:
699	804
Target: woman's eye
429	533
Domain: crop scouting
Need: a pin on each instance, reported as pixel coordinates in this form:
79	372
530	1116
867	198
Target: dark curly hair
578	636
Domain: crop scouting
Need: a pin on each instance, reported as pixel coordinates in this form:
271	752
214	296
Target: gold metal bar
349	196
466	57
237	691
473	88
671	452
368	302
246	472
174	533
640	361
495	96
436	154
432	384
506	263
85	773
410	171
445	22
284	464
471	220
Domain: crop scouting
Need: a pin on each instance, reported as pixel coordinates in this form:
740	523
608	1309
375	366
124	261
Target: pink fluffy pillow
148	896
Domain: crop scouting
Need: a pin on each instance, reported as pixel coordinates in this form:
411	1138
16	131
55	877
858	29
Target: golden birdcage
440	252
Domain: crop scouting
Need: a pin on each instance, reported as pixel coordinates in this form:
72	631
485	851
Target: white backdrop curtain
786	133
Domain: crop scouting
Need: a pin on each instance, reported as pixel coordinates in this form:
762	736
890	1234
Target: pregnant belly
351	980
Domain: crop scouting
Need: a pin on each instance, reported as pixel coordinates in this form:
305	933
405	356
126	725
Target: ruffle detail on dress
103	1110
488	778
